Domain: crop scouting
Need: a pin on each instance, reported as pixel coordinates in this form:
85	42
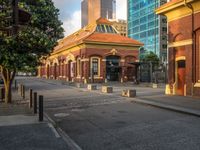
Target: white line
66	138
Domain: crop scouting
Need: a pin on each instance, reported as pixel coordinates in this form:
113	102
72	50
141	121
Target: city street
94	120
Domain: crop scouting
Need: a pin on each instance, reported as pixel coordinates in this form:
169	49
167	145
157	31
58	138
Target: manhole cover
60	115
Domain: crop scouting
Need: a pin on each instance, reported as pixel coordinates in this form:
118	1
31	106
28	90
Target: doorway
181	77
113	70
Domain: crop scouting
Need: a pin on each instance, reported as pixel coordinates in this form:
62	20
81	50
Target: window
95	67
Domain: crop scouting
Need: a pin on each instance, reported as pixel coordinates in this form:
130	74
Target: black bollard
23	91
31	98
15	84
2	93
19	85
35	102
40	108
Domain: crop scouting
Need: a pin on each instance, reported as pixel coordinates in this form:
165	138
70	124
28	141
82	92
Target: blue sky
70	13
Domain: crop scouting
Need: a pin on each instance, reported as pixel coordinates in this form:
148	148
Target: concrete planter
107	89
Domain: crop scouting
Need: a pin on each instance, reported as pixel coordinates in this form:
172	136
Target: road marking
61	115
71	143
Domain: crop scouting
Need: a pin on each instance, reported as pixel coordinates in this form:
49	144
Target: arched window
95	66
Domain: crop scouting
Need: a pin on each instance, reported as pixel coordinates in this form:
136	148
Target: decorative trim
122	60
181	58
85	59
180	43
197	85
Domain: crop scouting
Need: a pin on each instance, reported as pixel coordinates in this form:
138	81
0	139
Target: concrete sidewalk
21	130
181	104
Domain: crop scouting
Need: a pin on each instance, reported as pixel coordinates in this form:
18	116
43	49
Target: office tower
120	25
91	10
144	25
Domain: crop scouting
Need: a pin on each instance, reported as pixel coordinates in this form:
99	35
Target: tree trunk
8	93
8	77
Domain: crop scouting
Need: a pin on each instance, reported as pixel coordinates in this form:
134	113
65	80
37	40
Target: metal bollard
35	102
15	84
19	86
40	108
31	98
23	91
2	93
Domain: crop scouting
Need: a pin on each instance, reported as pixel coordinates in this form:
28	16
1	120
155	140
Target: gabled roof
90	34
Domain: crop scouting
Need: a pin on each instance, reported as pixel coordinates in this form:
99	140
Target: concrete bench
92	87
155	86
79	85
107	89
129	93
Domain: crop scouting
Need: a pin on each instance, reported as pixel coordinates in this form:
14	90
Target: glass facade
147	27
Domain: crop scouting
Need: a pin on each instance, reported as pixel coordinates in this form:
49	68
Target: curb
168	107
66	138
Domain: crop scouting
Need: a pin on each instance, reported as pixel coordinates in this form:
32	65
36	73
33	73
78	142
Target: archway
113	69
55	70
48	71
70	70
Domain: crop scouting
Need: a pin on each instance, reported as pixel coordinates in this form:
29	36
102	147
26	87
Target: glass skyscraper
147	27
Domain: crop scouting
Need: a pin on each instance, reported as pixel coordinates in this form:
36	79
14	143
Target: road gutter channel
71	143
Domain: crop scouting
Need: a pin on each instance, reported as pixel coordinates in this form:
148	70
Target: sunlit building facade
96	53
120	25
183	46
147	27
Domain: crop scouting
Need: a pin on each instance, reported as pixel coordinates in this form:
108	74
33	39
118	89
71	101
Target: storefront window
95	63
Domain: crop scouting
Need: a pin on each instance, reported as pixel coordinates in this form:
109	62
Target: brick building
183	46
94	53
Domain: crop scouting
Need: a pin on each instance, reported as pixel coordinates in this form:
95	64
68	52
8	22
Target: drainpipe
193	46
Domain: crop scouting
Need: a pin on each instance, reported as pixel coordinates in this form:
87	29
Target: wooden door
180	77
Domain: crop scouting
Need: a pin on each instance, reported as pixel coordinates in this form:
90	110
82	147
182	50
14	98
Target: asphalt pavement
93	120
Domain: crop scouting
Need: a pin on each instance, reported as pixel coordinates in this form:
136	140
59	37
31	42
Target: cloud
72	23
70	13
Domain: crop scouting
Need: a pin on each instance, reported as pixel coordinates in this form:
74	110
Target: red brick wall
179	30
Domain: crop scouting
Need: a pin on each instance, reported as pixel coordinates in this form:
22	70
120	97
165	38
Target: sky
70	13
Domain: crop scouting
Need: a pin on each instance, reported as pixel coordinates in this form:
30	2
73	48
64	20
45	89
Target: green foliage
37	39
150	57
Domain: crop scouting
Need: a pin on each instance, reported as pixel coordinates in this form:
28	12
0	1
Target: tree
34	40
150	57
